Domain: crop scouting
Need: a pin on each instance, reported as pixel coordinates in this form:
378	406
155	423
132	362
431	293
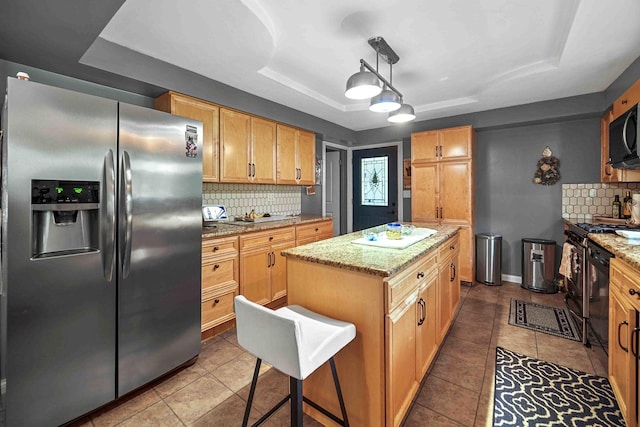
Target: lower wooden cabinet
411	329
623	338
263	271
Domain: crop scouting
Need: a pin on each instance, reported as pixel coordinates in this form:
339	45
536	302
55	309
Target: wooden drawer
314	229
219	308
212	248
401	285
448	249
624	277
266	238
219	272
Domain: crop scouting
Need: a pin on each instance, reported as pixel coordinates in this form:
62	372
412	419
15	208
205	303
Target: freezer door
160	235
58	317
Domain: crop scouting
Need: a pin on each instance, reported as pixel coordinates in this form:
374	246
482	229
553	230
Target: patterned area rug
530	392
543	318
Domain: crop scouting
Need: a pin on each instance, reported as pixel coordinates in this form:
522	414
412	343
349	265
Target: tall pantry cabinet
442	191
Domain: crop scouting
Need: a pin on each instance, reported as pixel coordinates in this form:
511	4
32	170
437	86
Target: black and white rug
530	392
543	318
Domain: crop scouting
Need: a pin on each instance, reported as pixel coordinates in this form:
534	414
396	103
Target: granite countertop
340	252
223	229
623	248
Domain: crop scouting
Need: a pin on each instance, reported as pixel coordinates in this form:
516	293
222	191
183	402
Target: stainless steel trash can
489	259
538	265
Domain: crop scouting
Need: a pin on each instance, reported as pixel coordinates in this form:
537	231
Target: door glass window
375	181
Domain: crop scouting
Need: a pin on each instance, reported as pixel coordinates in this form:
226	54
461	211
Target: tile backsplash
583	201
241	198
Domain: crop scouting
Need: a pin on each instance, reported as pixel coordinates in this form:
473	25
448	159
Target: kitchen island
401	301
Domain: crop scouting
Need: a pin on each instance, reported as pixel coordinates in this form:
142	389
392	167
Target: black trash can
489	259
538	265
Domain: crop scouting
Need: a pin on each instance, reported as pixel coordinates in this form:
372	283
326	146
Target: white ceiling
456	56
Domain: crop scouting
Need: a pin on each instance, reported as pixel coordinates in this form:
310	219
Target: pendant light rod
385	81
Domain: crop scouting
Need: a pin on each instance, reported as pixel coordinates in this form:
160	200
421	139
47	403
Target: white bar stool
295	341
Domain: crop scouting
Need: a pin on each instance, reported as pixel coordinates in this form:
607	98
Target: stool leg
295	388
339	391
247	410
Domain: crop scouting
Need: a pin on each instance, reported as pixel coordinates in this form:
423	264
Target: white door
332	204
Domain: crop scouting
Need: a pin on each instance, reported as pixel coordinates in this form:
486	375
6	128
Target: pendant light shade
385	102
363	85
402	115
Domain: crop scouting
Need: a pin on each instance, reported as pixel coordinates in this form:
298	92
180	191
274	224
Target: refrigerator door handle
126	209
108	216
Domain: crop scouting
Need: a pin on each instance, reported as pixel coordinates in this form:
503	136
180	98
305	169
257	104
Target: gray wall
507	200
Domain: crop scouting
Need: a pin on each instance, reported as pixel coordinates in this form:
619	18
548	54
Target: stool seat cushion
293	339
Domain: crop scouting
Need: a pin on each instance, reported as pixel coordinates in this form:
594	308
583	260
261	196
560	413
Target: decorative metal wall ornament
548	172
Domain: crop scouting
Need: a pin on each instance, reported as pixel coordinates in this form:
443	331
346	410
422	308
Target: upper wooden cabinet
445	144
208	114
442	189
627	100
248	148
296	156
241	148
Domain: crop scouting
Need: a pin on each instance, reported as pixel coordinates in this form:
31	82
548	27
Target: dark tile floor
456	392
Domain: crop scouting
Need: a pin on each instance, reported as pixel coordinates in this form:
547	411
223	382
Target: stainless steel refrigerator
100	251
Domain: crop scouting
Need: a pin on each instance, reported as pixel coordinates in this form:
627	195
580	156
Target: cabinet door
235	143
424	147
455	192
306	158
454	284
424	192
401	381
456	143
279	270
621	361
255	275
208	114
465	265
287	168
427	326
627	100
263	151
444	298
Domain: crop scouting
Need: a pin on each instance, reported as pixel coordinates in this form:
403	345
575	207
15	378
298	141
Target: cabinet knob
270	238
634	292
452	247
215	248
420	274
624	101
317	229
216	266
216	300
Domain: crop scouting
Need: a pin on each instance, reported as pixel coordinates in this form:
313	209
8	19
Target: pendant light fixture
367	84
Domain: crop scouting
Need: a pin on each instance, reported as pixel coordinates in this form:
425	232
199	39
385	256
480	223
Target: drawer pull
634	292
317	229
453	272
624	101
626	350
215	248
270	238
423	311
216	266
452	247
216	300
420	275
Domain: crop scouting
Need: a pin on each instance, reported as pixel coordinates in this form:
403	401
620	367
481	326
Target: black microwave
624	151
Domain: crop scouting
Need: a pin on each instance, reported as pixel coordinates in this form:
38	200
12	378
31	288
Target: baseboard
512	278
